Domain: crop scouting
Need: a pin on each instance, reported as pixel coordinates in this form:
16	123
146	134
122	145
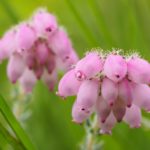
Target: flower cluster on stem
113	86
37	49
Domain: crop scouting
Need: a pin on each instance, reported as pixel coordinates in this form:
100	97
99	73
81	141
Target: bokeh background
121	24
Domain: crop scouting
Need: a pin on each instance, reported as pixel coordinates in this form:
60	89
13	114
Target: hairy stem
91	140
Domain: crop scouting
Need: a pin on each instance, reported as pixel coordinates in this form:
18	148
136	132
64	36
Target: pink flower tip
129	105
80	76
135	126
111	104
105	132
14	81
119	120
103	120
80	123
57	93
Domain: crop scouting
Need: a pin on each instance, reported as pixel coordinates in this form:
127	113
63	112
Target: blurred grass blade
91	38
20	133
12	15
96	10
10	139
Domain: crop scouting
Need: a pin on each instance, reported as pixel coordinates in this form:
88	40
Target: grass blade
18	130
10	139
91	38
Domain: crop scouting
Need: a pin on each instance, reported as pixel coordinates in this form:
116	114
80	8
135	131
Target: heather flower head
37	49
113	86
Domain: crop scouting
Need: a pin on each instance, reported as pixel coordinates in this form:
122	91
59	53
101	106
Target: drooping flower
37	49
112	86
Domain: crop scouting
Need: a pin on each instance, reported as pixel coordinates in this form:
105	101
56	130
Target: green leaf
14	124
10	139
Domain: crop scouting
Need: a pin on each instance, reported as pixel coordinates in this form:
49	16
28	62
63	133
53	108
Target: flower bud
38	70
115	67
109	91
15	67
60	44
80	113
88	93
51	63
28	80
102	109
119	109
133	116
139	70
50	79
7	48
44	23
25	37
107	126
42	53
141	95
89	66
68	85
126	92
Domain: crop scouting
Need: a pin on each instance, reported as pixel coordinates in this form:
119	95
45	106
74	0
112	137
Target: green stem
92	141
18	130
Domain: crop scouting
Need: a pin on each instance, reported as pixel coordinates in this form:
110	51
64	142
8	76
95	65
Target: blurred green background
90	23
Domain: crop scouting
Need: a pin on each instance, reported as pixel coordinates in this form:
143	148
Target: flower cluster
113	86
36	49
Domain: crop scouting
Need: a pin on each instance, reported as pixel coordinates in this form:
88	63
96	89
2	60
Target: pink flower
126	92
68	85
88	93
133	116
7	48
25	37
45	24
102	108
109	89
60	44
89	66
139	70
115	67
79	113
15	68
107	126
35	48
28	80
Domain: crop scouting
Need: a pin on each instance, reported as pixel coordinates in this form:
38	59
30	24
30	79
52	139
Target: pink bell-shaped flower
141	95
102	108
25	37
50	79
126	91
80	113
44	23
7	48
107	126
42	52
15	68
88	93
60	44
68	85
109	91
89	66
133	116
115	67
119	109
28	80
139	70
